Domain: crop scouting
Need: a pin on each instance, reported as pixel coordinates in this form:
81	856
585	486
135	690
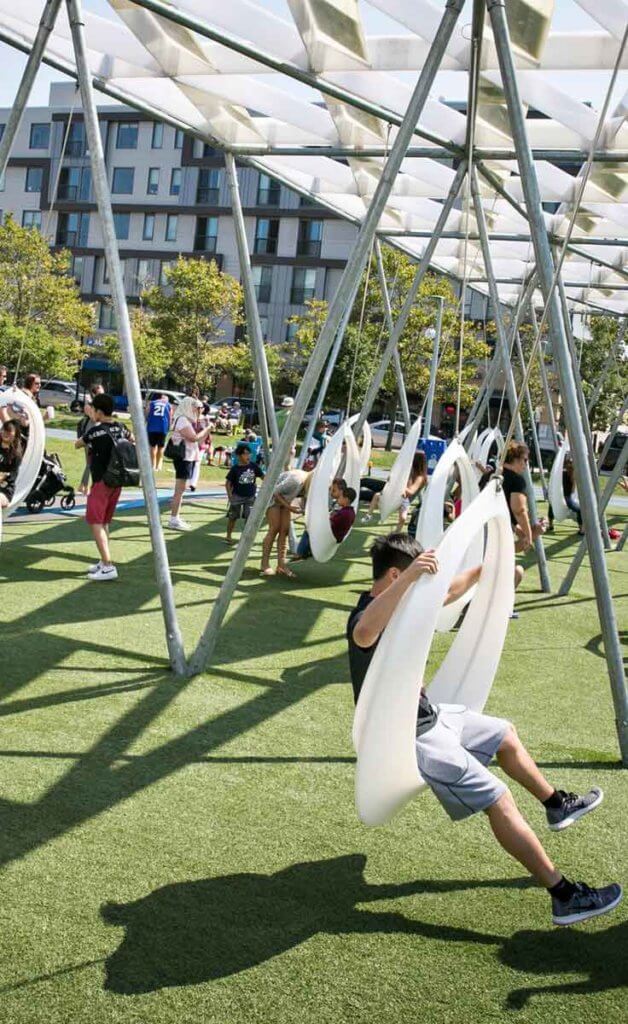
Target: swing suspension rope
45	232
358	341
515	324
563	251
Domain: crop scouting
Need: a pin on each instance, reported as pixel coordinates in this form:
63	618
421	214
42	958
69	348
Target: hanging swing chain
583	181
47	220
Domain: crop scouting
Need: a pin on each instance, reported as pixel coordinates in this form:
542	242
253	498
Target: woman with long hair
187	438
291	486
417	480
11	454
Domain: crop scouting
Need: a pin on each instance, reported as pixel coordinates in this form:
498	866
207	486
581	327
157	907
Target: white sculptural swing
392	495
385	719
429	532
556	495
322	541
476	444
366	447
490	437
22	404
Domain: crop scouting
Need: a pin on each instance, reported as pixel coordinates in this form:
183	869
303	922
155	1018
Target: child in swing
454	745
11	454
341	519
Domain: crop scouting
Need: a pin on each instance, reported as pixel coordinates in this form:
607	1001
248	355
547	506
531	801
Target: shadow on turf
198	931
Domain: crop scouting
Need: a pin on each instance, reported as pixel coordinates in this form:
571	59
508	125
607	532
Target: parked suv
61	392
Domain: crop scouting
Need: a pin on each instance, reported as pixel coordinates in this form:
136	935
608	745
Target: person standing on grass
454	745
82	426
241	484
102	499
186	437
158	421
292	485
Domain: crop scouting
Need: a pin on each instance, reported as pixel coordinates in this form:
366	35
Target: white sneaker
366	518
176	523
105	572
94	568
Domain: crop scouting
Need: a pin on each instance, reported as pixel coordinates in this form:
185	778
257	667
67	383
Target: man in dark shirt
454	746
514	485
102	500
241	484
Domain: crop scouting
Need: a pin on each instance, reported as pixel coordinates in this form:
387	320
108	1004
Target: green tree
604	339
240	364
151	353
42	317
189	317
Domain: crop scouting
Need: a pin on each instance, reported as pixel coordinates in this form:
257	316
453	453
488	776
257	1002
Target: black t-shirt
360	658
514	483
98	440
9	464
242	479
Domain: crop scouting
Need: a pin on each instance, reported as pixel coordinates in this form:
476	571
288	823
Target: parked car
62	392
174	397
620	439
379	433
334	417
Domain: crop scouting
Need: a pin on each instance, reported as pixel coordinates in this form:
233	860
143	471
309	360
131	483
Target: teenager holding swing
454	745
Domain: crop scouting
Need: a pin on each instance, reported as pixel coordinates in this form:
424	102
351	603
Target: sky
568	15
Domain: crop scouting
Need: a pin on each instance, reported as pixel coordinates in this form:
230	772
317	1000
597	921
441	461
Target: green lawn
189	852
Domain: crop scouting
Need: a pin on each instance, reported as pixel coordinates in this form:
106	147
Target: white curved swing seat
34	453
367	444
392	495
385	720
430	529
556	495
322	541
492	436
476	446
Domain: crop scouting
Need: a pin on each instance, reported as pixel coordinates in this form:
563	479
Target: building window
206	234
31	219
309	238
266	235
306	201
157	140
175	181
172	221
106	317
75	183
148	231
34	178
178	138
105	270
121	222
73	229
2	127
76	269
268	191
263	281
122	183
143	274
40	136
303	285
152	186
208	151
164	268
208	186
75	145
2	182
126	137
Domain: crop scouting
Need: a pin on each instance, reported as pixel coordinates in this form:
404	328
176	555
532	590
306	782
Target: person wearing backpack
112	454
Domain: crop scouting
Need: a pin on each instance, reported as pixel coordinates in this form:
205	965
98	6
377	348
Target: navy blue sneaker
585	903
572	808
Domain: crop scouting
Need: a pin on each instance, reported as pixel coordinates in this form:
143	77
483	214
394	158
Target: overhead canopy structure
312	95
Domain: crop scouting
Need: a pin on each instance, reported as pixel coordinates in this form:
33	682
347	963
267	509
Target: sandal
288	573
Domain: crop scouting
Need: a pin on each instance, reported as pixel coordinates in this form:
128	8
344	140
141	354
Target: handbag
174	450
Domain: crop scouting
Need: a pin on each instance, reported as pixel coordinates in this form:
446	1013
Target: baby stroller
50	480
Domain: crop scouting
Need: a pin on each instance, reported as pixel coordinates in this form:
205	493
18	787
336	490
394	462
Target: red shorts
101	504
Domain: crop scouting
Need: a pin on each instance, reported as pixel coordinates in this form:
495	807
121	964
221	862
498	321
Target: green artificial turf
189	852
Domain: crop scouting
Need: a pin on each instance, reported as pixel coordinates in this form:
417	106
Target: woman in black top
11	454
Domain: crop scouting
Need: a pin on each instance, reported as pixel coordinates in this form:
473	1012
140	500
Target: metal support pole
528	397
511	388
33	63
582	406
401	387
545	270
400	324
611	484
270	432
431	390
622	540
608	362
546	388
346	288
103	200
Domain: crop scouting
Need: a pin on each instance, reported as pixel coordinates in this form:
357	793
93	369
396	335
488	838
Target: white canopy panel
237	101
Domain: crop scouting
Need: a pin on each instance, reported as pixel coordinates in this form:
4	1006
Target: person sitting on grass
11	455
454	745
241	484
341	520
102	499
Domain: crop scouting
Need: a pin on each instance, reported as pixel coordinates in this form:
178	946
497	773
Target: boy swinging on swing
455	746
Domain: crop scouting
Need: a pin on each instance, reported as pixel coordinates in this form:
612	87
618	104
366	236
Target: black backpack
123	468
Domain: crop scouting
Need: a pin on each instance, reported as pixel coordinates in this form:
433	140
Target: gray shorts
240	508
452	757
